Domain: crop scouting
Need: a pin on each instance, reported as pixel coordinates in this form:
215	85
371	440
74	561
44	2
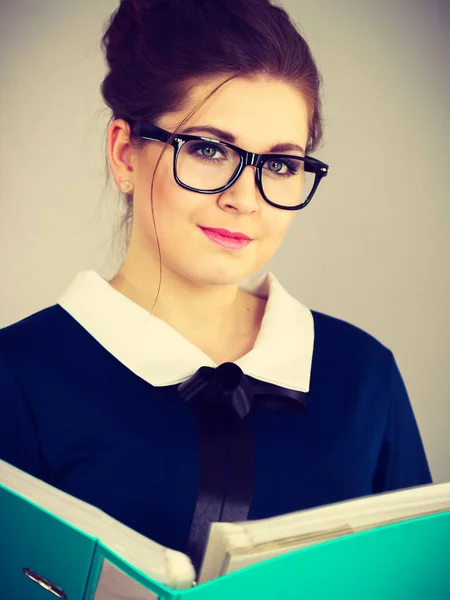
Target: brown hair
159	50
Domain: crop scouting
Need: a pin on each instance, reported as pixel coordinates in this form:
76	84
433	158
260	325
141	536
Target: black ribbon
229	388
221	399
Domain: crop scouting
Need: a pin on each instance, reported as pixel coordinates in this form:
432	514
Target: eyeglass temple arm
151	132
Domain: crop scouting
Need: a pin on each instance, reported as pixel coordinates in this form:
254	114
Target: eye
276	166
207	150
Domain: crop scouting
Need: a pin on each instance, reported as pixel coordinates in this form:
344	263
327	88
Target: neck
207	315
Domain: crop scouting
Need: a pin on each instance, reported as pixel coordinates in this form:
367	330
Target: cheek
272	236
174	206
176	211
168	206
276	225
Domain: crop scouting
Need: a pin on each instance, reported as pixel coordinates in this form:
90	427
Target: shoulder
27	347
344	334
31	326
33	335
347	350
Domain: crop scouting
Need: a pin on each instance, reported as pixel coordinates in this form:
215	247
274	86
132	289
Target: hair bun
141	8
124	24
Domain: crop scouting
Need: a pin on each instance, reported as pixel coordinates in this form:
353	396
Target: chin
217	275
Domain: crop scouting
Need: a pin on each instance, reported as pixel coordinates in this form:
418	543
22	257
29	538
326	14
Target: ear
120	152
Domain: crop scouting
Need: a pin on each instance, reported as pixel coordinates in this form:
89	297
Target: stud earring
126	187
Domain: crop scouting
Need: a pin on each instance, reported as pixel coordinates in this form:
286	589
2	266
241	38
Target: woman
183	391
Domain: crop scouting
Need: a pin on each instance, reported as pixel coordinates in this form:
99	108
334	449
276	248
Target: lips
225	241
228	234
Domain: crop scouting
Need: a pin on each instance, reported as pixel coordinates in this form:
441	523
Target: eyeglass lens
208	166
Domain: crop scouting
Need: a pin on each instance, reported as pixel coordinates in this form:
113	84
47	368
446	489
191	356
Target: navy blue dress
73	415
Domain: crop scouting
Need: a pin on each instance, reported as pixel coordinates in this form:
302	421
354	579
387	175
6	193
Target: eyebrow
229	137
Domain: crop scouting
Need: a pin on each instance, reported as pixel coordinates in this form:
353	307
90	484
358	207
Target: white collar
160	355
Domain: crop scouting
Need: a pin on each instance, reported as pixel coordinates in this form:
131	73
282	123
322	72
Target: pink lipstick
227	239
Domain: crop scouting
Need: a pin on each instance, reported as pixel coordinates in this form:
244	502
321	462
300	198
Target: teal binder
403	561
44	544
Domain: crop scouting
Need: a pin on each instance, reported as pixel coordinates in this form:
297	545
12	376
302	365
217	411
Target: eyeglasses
209	166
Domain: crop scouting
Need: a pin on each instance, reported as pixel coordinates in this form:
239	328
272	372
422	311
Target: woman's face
259	113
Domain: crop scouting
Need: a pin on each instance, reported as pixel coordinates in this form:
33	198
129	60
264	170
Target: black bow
228	387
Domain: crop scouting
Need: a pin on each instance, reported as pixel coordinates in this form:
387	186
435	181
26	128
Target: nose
244	194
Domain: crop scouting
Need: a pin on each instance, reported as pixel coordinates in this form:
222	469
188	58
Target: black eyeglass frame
152	132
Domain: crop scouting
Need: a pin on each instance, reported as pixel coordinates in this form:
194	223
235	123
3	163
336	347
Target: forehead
259	112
